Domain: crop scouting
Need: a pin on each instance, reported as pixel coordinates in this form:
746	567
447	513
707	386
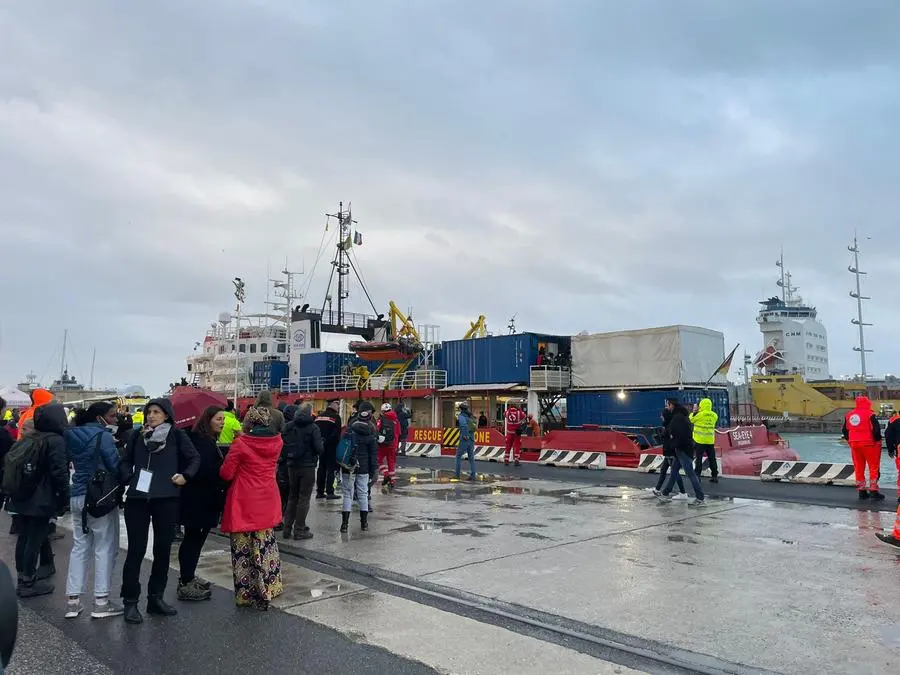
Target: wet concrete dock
537	570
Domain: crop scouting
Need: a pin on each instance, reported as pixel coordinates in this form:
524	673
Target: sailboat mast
93	361
62	359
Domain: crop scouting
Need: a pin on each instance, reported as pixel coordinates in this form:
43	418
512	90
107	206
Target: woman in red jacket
252	509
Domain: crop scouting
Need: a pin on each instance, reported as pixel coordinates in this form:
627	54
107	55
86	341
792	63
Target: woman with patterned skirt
252	509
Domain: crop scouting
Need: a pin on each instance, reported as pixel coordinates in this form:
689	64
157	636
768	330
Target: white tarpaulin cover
653	357
15	398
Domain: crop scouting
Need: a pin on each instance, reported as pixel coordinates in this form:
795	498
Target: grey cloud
589	165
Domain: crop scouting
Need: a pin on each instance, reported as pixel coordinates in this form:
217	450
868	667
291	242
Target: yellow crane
477	329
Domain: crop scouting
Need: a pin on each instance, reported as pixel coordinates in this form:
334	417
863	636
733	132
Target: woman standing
201	503
91	447
252	509
160	460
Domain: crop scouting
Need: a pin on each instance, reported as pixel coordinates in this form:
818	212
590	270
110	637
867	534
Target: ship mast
780	264
62	359
857	294
341	262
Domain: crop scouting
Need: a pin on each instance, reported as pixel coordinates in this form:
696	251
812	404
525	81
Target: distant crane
511	326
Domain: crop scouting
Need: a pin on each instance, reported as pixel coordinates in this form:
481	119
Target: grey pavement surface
206	637
793	588
739	487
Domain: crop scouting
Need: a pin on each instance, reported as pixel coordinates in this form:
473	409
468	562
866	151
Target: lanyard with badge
145	476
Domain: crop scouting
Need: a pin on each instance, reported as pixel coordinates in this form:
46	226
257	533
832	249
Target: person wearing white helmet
388	442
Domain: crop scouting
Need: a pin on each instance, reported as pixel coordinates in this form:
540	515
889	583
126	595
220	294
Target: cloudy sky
583	164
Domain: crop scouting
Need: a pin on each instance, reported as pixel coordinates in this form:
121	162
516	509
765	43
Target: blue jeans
361	482
686	462
663	472
466	448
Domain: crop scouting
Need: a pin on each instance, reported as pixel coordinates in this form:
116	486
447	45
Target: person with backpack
388	441
159	459
94	501
403	416
467	426
36	478
357	455
301	452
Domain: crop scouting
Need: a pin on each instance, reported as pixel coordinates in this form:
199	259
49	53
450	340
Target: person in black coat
682	439
160	459
48	500
668	456
301	452
202	501
329	423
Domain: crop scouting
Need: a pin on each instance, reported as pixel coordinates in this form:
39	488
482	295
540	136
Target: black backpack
102	490
293	443
21	473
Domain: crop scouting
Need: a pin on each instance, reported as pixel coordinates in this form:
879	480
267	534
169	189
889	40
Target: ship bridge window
264	347
243	348
252	347
282	348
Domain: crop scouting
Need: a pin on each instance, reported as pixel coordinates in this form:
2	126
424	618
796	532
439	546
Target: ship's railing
550	378
347	319
418	379
323	383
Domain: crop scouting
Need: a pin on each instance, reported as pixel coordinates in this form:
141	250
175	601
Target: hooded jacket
81	442
403	416
177	455
892	435
40	397
680	431
302	441
253	502
52	493
704	421
366	445
861	425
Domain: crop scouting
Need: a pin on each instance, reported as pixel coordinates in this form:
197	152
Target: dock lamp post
239	296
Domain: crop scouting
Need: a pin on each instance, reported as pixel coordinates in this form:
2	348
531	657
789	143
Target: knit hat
259	416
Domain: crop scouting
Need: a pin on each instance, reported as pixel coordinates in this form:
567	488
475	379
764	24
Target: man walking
466	425
683	443
403	417
704	421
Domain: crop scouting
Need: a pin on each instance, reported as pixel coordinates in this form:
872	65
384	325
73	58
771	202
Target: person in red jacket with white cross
515	426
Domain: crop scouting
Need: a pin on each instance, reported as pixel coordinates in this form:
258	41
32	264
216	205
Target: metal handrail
550	377
323	383
419	379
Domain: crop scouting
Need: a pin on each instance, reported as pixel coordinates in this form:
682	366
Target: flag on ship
723	369
357	239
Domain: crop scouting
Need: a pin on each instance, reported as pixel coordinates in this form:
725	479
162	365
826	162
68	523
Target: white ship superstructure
795	341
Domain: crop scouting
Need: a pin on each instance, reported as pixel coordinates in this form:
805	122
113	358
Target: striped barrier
423	450
490	453
816	473
653	463
580	459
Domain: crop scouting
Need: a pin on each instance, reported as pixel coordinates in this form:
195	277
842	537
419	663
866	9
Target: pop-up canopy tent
15	398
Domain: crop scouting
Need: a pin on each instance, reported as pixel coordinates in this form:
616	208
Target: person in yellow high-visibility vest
138	418
704	421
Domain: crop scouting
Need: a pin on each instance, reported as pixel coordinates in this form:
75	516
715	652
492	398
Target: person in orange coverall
862	431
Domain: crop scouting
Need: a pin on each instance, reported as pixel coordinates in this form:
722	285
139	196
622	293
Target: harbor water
831	448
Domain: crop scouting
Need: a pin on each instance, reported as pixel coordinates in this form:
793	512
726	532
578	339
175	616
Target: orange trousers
896	531
866	454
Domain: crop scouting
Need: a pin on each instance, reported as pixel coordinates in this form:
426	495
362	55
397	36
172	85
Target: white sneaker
680	497
73	609
697	502
106	610
663	497
655	492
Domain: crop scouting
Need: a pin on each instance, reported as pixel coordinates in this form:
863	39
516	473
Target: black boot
364	521
156	605
132	614
345	521
876	496
863	494
34	588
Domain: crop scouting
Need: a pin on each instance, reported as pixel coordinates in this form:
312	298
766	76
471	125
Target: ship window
282	348
264	347
221	349
243	348
252	347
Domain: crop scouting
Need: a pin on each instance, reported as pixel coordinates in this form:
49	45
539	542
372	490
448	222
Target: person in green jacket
232	426
704	421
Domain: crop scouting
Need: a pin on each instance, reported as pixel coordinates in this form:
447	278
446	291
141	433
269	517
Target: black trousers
301	481
189	551
139	514
30	545
326	473
701	451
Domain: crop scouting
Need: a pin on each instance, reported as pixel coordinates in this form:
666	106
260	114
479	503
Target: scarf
156	438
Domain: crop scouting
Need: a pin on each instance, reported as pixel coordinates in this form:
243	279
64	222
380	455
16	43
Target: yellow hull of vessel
791	394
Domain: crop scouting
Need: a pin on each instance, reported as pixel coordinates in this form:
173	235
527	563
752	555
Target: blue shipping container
639	408
323	364
501	359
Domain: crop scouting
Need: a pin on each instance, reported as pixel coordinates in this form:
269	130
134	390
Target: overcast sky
583	164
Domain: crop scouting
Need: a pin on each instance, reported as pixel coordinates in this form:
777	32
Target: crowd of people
251	477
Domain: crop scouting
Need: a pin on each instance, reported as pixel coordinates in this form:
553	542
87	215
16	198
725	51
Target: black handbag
102	491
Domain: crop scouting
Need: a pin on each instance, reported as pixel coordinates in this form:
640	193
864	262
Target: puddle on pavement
531	535
681	539
463	531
